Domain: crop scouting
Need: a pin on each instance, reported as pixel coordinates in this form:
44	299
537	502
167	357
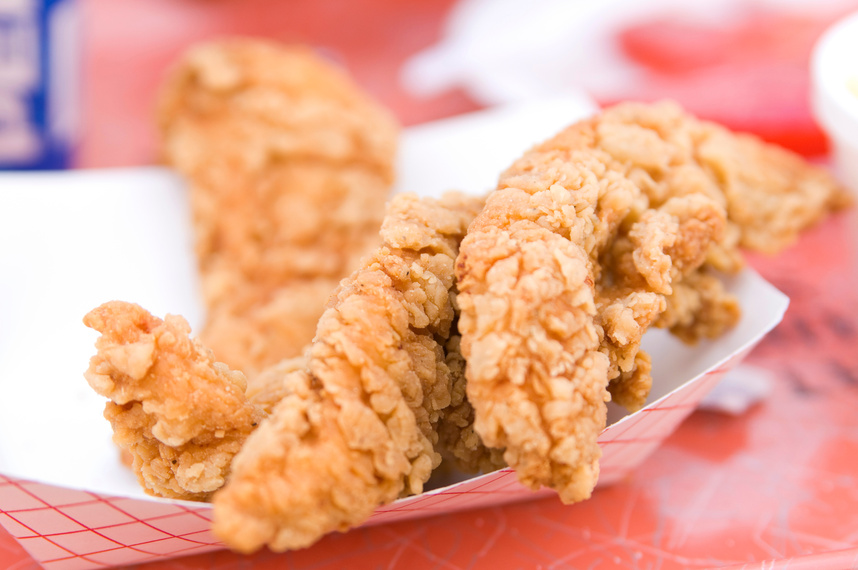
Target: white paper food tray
71	241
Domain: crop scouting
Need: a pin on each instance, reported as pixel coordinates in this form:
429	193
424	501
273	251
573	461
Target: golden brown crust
180	415
359	425
289	165
610	227
458	442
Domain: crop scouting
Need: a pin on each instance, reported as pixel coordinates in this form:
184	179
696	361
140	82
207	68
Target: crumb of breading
178	414
289	165
358	426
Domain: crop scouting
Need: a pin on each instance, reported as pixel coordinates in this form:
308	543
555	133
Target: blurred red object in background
751	76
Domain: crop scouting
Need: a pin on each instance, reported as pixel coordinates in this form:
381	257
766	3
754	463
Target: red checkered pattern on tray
67	529
70	529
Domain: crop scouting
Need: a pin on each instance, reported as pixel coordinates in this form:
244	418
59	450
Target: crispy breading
663	246
267	388
699	308
358	427
770	193
289	165
610	227
259	336
460	446
536	378
180	415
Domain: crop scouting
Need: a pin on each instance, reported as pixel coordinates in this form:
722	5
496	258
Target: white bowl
834	66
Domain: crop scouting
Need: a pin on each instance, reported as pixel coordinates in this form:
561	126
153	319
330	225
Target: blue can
39	83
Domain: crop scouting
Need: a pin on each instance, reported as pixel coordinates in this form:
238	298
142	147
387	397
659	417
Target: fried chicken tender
289	166
611	226
536	378
177	413
358	427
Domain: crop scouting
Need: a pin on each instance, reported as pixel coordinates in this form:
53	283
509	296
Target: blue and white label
39	83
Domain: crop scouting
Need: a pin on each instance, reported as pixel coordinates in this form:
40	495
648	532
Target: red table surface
777	483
